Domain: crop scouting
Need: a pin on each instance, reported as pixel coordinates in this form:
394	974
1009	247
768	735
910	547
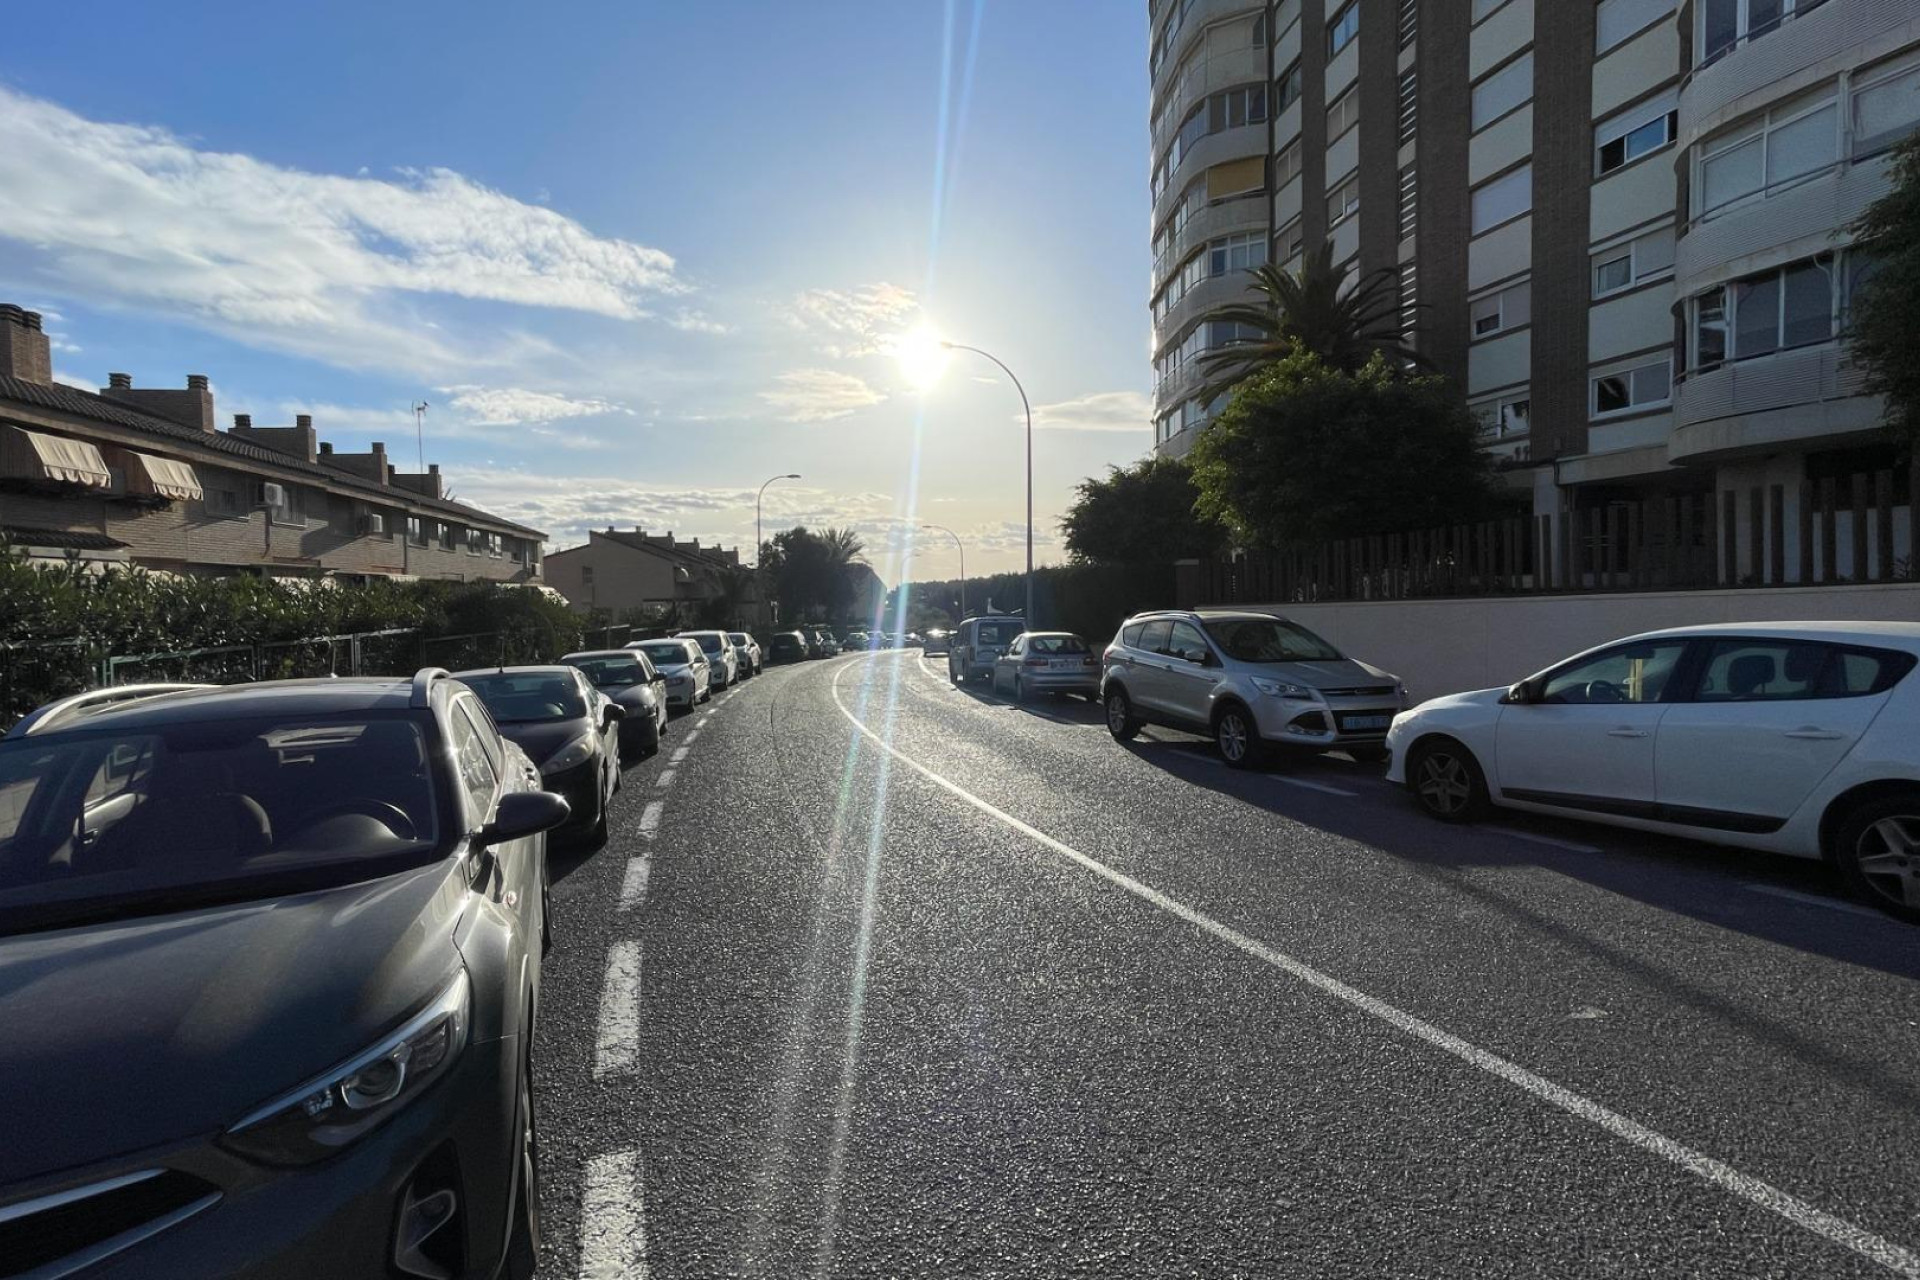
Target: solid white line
1895	1258
1531	838
1317	786
679	754
633	889
665	779
617	1043
650	817
613	1220
1815	900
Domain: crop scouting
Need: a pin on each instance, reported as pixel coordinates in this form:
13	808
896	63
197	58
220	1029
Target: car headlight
1406	695
344	1104
1281	689
577	752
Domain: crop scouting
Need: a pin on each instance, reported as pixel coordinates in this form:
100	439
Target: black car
568	728
269	963
787	646
628	677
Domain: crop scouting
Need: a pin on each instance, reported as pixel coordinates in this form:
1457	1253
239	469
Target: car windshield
997	633
1269	640
1056	644
103	824
527	697
711	643
611	672
666	654
738	637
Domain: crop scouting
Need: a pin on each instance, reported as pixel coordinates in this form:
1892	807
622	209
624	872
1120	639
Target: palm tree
733	588
1311	311
842	549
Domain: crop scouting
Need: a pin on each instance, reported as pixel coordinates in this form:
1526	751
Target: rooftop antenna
420	432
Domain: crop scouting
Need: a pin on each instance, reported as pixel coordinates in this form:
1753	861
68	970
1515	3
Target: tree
1313	310
1886	314
1142	513
1306	452
733	591
808	571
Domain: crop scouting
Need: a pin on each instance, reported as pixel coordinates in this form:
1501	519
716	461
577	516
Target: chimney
304	421
192	407
326	448
426	482
297	441
371	465
24	351
242	421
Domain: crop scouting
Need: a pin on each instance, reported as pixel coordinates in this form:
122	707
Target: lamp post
759	579
1028	408
963	565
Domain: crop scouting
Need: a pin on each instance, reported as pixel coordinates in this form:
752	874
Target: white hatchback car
1800	738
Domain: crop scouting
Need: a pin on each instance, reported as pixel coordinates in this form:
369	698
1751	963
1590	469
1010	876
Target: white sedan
1800	738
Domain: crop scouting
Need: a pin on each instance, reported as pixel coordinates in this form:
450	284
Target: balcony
1215	148
1770	402
1780	60
1200	15
1794	221
1209	295
1203	76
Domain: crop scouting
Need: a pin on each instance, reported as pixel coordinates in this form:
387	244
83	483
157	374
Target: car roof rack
423	681
55	713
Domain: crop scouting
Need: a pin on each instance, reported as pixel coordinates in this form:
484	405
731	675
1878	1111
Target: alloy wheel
1232	737
1116	713
1888	855
1444	785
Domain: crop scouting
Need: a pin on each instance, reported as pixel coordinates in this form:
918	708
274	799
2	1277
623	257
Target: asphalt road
880	977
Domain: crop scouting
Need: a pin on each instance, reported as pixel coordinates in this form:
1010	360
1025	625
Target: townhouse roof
85	404
704	557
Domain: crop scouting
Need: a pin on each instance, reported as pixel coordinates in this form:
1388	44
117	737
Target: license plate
1365	722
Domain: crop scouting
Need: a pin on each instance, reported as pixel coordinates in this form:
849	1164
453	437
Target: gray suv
1250	681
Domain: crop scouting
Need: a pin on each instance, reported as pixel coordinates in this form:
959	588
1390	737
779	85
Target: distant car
1253	682
978	644
282	946
1048	662
568	728
914	640
935	641
1801	738
684	664
822	643
629	677
752	661
787	646
858	640
721	655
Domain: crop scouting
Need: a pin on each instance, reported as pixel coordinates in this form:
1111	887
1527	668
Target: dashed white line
613	1220
1896	1258
650	817
1815	900
1550	841
1328	788
665	779
693	736
679	754
617	1042
633	889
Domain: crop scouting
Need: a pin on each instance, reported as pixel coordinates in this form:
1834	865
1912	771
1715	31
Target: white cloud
317	264
819	395
1100	411
688	321
514	406
851	323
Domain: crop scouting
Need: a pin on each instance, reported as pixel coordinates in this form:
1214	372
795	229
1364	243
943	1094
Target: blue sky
636	256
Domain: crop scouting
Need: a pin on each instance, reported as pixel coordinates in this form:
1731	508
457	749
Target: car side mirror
616	712
657	679
522	813
1196	656
1519	695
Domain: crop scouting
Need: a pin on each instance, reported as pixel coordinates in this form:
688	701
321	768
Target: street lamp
1028	408
963	565
757	544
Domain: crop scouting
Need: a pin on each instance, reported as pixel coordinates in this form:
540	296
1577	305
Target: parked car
935	641
568	728
721	656
822	644
1800	738
684	664
787	646
858	640
978	644
752	661
913	639
629	677
1048	662
281	943
1253	682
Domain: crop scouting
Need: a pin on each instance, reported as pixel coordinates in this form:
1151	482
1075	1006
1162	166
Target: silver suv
1250	681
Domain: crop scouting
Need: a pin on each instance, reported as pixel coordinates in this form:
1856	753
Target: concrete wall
1447	646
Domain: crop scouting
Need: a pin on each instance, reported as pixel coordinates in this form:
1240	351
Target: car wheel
1121	722
1238	738
597	837
953	672
1878	852
1370	755
1446	780
523	1245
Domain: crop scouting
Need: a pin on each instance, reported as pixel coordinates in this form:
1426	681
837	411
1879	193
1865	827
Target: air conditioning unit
273	495
373	524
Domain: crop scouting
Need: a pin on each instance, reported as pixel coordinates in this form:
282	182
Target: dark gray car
269	966
629	678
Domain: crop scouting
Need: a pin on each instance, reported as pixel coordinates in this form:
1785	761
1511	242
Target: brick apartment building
618	570
143	476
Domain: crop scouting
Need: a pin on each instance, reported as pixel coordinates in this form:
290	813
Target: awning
161	477
31	455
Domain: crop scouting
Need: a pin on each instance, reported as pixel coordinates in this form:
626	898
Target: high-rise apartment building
1621	226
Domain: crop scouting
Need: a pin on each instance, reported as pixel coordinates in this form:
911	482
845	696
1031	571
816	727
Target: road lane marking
1329	788
1815	900
693	736
650	817
1896	1258
665	779
613	1220
679	754
617	1042
633	889
1550	841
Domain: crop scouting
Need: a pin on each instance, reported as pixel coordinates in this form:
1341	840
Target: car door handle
1811	734
1626	732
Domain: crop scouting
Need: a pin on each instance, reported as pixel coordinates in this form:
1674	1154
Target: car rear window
527	698
711	643
996	633
667	653
612	672
1057	644
133	822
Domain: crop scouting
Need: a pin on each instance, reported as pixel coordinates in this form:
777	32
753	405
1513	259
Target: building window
1504	90
1886	107
1260	30
1237	253
1481	8
586	575
1286	90
1793	306
1616	21
224	502
1409	299
1498	312
1409	202
1342	28
1286	165
1646	257
1228	109
449	536
1342	203
1409	22
1409	104
1509	416
1344	113
416	531
1502	199
1790	144
1725	24
1638	132
1628	390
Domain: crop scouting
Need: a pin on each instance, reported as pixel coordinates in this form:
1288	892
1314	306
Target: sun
922	357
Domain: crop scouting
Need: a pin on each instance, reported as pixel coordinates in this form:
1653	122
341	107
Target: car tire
1236	735
1370	755
1121	722
1446	781
523	1242
597	835
1877	850
953	673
